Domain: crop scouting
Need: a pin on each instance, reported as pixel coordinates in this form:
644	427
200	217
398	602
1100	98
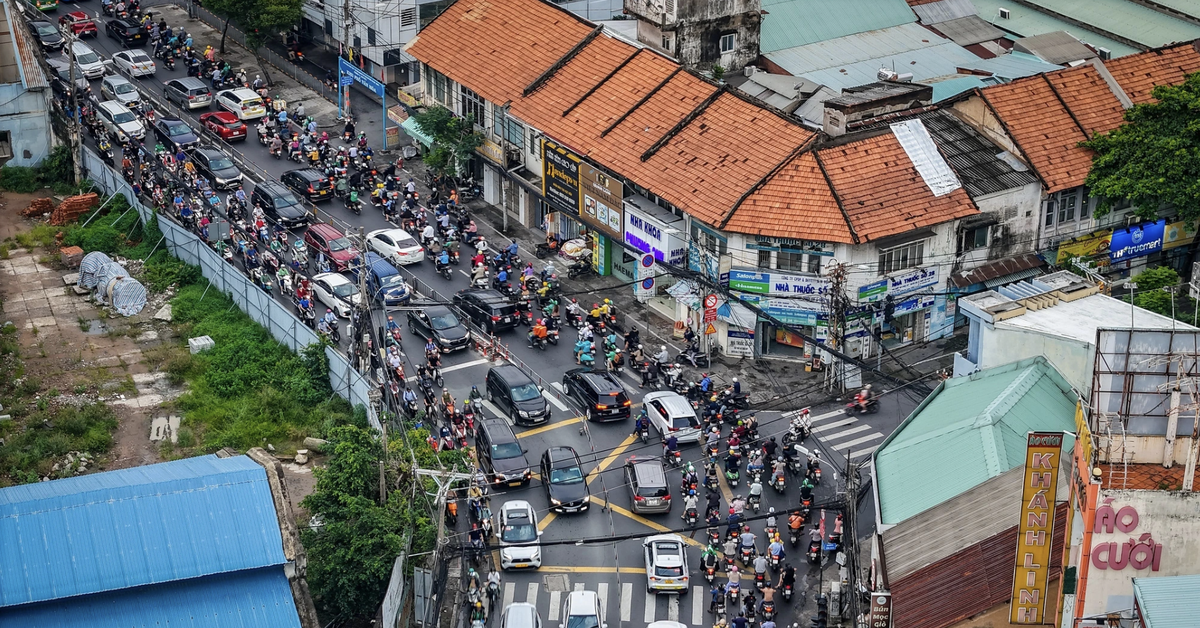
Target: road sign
710	302
648	283
710	329
647	260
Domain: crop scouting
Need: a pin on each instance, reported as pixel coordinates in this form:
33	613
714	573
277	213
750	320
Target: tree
1154	159
350	558
260	20
454	139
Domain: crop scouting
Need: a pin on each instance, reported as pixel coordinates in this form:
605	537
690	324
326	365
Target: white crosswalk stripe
859	441
510	592
626	601
655	606
697	606
824	429
863	452
651	601
827	415
555	600
532	592
602	594
673	608
844	433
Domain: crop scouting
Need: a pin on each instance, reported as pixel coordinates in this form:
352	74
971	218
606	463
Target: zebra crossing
631	601
839	432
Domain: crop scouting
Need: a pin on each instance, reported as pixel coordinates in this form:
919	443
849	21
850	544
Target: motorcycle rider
787	577
708	557
756	491
795	521
537	331
760	567
778	470
776	549
670	446
690	502
738	504
662	357
705	383
806	488
769	448
863	398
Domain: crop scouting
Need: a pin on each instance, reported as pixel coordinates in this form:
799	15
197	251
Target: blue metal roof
147	525
790	23
1168	601
259	598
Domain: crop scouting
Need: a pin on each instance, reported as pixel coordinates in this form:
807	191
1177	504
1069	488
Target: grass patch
40	236
29	455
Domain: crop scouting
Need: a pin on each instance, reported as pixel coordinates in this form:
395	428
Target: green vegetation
454	139
29	454
56	171
1159	291
1153	160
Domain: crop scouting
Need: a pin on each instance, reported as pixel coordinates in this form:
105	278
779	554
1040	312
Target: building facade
701	34
25	126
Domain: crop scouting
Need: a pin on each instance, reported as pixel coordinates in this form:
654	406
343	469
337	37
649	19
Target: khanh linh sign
1036	527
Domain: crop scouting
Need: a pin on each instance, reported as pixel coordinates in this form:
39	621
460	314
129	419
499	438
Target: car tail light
667	497
495	318
673	429
310	189
191	97
601	406
626	402
638	498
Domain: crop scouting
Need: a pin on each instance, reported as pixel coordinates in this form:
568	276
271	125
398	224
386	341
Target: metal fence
283	324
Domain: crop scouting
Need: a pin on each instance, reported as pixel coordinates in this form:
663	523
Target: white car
582	610
666	563
135	62
120	121
117	88
241	102
336	292
91	64
669	413
521	615
518	533
396	245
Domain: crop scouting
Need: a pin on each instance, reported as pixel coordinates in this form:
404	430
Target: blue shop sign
1136	241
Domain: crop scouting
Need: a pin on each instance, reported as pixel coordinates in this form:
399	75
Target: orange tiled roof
882	192
1087	96
795	203
1145	477
1138	74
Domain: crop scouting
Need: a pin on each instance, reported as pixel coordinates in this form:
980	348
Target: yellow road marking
552	426
611	458
726	492
568	569
550	517
642	520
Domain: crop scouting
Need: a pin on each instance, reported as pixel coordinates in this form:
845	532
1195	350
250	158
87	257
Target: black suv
513	392
176	134
500	453
440	323
47	35
599	392
127	31
279	204
487	308
218	167
311	183
62	78
564	479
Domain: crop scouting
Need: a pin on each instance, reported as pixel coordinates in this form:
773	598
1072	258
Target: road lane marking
673	608
845	433
648	612
697	606
857	441
611	458
827	415
532	593
825	429
642	520
637	571
550	517
602	594
496	411
447	369
510	592
554	400
550	426
863	452
578	586
555	600
626	601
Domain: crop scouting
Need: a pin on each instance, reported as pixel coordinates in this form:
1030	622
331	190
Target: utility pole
849	540
73	127
344	92
838	302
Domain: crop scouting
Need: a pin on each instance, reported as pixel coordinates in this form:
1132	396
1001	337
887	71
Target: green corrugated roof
971	429
1027	22
1168	601
791	23
1125	18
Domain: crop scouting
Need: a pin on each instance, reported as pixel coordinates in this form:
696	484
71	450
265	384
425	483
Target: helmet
731	511
772	510
772	439
735	380
389	318
574	300
691	491
607	302
445	390
595	305
733	569
868	387
664	347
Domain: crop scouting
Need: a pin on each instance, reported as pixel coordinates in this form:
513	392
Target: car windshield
283	200
668	572
525	392
573	475
220	163
681	422
445	321
504	451
124	88
45	29
87	58
520	533
344	290
340	244
124	118
232	125
582	621
179	128
140	58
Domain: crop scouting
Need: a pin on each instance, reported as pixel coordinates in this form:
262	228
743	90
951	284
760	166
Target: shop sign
491	151
600	200
873	291
914	304
1139	552
600	254
560	177
739	342
777	283
650	236
1179	234
1035	528
881	610
1136	241
912	280
1091	246
791	311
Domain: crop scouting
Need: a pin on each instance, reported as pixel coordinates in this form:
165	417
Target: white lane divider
602	595
697	606
673	608
648	615
554	400
464	365
555	600
510	592
531	596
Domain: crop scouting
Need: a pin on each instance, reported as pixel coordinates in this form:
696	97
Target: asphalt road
614	570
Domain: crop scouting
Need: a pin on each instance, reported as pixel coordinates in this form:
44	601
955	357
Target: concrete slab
164	427
71	279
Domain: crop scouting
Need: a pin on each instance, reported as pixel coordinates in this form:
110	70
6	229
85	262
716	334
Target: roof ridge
837	198
685	121
804	147
1008	132
641	101
1065	106
562	61
588	93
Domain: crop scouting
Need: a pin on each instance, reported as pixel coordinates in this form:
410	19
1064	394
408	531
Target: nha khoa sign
1139	552
1035	529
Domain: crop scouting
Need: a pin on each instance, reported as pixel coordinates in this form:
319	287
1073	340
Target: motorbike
760	580
734	400
788	590
445	271
793	536
773	561
815	475
538	343
814	552
579	269
768	610
755	502
691	516
732	477
778	483
694	357
747	555
675	458
644	433
854	408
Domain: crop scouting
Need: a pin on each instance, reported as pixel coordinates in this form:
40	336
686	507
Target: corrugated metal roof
943	10
1125	19
974	427
973	158
146	525
259	598
1000	272
965	31
1058	47
909	48
790	23
1023	22
27	55
1187	7
1168	601
914	138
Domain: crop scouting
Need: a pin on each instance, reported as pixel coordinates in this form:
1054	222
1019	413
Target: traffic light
889	309
821	620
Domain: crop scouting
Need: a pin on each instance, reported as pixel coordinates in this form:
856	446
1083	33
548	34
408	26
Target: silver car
118	88
518	532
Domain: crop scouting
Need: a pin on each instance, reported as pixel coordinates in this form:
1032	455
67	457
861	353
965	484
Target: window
728	43
329	27
764	259
790	261
472	105
814	264
357	43
514	131
666	43
408	17
1067	206
439	85
535	144
371	36
901	257
977	238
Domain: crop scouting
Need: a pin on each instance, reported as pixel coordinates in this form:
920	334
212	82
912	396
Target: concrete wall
976	113
695	28
1170	517
1073	359
26	117
1017	210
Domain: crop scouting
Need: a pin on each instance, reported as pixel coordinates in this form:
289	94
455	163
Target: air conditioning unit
1105	53
1005	13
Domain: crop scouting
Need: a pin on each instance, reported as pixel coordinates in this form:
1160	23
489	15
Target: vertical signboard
881	610
560	177
600	201
1036	528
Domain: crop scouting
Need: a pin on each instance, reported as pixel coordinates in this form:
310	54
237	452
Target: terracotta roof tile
795	203
1044	131
474	43
573	80
1145	477
1088	97
1138	74
882	192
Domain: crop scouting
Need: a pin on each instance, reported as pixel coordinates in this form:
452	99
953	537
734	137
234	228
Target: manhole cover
557	582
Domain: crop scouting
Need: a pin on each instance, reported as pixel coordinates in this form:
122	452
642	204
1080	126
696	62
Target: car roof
79	14
675	404
518	505
310	173
394	233
495	426
484	294
524	612
190	82
242	92
644	464
222	115
275	186
562	453
511	374
603	381
673	538
79	47
582	602
333	278
165	119
112	104
114	78
209	152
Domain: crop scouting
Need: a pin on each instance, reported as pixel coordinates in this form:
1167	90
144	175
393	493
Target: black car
599	392
511	390
500	453
129	32
62	78
218	167
565	481
440	323
278	203
176	134
487	308
47	35
310	182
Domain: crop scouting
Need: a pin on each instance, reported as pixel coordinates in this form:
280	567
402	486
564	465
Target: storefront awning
686	292
1002	271
410	127
737	315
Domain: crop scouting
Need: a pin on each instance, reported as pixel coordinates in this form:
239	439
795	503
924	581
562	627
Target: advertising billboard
560	177
600	201
1035	529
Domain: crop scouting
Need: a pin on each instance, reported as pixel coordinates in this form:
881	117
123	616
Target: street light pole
76	119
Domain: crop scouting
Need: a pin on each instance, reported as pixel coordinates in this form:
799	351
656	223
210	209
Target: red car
80	24
224	125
